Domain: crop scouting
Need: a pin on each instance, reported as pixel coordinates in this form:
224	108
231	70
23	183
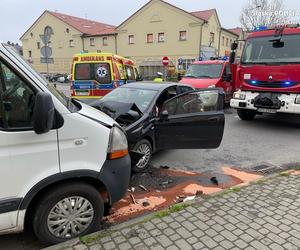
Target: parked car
158	116
61	161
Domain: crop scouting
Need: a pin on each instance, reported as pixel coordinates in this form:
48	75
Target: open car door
191	120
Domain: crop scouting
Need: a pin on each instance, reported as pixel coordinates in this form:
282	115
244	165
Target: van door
191	120
25	157
227	82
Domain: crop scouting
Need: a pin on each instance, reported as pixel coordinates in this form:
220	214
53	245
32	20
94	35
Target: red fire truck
267	77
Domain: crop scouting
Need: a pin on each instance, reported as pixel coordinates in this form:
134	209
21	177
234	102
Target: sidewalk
264	215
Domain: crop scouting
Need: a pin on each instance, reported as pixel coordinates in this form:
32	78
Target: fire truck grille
263	84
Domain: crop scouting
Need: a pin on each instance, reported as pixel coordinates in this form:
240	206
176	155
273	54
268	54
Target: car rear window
93	71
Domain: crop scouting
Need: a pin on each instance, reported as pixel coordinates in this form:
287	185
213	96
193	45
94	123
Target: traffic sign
165	61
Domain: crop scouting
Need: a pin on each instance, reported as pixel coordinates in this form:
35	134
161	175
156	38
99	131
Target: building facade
50	43
157	29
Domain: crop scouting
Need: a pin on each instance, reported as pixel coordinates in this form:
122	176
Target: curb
104	232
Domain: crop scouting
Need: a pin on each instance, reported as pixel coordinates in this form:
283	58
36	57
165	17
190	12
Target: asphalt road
269	139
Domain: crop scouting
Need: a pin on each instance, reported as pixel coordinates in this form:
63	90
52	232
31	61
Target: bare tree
262	12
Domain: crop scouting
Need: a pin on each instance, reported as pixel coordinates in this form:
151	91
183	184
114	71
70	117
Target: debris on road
142	187
189	198
214	180
133	199
146	204
164	167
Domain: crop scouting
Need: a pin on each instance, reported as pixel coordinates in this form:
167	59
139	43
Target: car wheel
143	147
68	211
246	115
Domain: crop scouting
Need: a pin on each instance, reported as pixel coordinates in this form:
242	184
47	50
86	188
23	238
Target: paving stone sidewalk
265	215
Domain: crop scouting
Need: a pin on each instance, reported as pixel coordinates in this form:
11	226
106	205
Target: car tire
246	115
56	202
144	147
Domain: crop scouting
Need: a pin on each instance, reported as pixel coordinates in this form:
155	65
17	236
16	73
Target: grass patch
284	174
173	209
297	168
236	189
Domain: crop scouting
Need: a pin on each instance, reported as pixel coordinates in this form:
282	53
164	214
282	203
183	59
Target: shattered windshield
141	97
210	71
270	49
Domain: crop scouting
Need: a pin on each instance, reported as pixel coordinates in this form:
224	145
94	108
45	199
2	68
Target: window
104	41
194	102
161	37
50	44
211	37
93	71
68	30
130	73
71	43
38	45
230	42
29	53
16	101
223	40
31	34
227	41
182	35
92	42
150	38
131	39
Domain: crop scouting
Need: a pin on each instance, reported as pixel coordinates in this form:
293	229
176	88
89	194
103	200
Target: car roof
151	85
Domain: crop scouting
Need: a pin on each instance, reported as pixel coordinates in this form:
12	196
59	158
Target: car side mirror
164	115
234	46
43	113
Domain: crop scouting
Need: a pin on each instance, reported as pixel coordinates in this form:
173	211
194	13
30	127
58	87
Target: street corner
160	188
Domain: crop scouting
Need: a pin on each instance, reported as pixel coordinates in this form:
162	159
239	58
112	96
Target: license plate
82	92
271	111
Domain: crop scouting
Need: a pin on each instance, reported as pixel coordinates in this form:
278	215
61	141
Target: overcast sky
16	16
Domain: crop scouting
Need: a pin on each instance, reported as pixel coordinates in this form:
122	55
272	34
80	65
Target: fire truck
267	76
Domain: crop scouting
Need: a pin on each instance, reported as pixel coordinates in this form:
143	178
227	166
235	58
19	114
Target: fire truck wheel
246	115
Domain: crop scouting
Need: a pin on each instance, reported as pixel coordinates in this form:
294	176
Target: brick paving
265	215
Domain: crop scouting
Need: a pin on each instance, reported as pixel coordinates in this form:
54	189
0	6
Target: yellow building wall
224	48
159	17
212	26
98	44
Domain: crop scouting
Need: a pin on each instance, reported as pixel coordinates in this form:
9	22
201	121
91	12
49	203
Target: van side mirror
232	57
43	113
139	78
234	46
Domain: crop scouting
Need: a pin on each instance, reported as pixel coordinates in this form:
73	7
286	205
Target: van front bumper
115	174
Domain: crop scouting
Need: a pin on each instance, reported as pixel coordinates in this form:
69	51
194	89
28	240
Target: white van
60	161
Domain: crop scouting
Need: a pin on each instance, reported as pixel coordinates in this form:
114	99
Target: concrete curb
81	246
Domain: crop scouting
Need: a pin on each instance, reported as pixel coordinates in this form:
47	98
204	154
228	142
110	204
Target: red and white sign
165	61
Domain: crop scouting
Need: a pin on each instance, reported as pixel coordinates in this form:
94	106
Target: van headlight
297	101
118	146
239	95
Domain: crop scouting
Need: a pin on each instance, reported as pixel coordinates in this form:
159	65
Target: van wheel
143	147
68	211
246	115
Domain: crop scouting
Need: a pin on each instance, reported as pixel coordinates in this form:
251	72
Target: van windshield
60	96
200	71
270	49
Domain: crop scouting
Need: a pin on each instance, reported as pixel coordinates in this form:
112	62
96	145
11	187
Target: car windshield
60	96
271	49
204	71
141	97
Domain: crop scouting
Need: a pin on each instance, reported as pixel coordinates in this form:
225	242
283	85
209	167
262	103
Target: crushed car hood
116	109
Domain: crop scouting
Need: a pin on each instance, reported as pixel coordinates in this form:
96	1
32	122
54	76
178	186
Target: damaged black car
158	116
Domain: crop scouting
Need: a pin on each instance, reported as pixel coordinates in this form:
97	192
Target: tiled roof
236	30
85	26
204	14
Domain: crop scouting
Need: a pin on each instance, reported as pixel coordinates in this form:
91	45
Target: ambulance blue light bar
273	27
